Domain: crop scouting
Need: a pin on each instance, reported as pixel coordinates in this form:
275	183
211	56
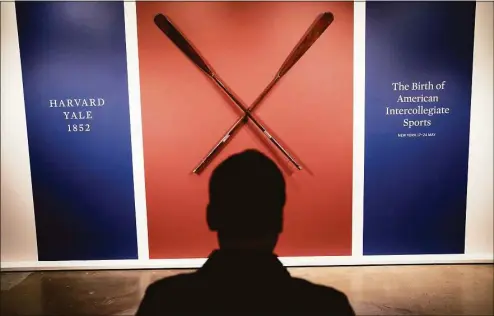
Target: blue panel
416	173
74	73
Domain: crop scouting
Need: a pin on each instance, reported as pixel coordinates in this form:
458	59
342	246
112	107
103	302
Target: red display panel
310	111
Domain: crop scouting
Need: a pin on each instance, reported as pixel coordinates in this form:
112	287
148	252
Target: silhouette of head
246	200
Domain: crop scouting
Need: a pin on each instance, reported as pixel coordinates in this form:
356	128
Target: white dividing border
136	128
358	128
287	261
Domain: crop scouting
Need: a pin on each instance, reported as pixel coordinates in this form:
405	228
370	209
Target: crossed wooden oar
319	25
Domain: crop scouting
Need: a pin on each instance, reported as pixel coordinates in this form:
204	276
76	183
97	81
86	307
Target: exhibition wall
389	114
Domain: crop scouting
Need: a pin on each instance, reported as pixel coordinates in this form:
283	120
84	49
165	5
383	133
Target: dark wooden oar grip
166	26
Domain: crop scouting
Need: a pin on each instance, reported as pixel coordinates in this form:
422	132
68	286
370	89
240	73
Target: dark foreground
379	290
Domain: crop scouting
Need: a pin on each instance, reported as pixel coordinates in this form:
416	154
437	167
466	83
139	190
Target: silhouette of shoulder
166	294
321	294
174	283
193	292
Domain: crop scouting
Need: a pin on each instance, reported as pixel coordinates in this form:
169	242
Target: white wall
479	237
18	237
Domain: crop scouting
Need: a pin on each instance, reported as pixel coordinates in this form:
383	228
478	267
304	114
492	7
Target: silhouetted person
246	201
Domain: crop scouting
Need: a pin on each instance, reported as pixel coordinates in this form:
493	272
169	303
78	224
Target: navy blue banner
74	71
417	96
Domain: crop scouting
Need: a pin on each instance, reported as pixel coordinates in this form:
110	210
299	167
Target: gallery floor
373	290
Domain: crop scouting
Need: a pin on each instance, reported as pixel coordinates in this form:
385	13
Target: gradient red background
310	111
